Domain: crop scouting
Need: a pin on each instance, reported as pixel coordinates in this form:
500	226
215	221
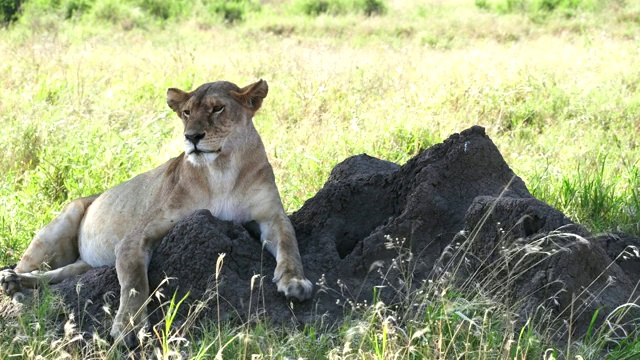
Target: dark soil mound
540	263
377	223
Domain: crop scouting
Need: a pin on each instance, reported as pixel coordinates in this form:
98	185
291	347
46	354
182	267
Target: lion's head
213	115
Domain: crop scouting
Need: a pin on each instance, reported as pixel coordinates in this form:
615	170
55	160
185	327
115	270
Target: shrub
341	7
165	9
374	7
232	10
482	4
539	6
131	12
118	12
314	7
67	9
72	8
9	10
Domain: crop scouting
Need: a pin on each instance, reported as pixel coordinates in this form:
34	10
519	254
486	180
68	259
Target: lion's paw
121	334
10	283
294	287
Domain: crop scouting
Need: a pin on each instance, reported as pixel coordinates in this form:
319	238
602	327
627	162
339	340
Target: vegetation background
554	82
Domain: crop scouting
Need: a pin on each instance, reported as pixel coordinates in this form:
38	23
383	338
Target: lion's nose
194	138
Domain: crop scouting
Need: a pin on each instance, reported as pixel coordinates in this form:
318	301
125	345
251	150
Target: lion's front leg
279	238
131	266
133	255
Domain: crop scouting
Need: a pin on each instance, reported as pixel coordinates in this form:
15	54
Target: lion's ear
175	98
251	96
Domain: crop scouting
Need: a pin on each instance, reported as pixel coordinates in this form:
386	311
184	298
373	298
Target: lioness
224	168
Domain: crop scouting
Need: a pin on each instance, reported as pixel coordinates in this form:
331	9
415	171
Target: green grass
82	109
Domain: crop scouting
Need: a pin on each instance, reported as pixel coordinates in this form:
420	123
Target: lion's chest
226	202
230	209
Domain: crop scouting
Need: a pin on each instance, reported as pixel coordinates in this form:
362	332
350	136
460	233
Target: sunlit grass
83	108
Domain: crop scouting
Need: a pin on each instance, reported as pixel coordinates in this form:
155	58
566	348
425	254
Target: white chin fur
201	159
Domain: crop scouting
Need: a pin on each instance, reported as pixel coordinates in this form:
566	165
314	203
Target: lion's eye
218	109
186	113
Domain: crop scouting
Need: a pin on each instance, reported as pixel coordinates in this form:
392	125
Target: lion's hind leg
53	253
12	282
